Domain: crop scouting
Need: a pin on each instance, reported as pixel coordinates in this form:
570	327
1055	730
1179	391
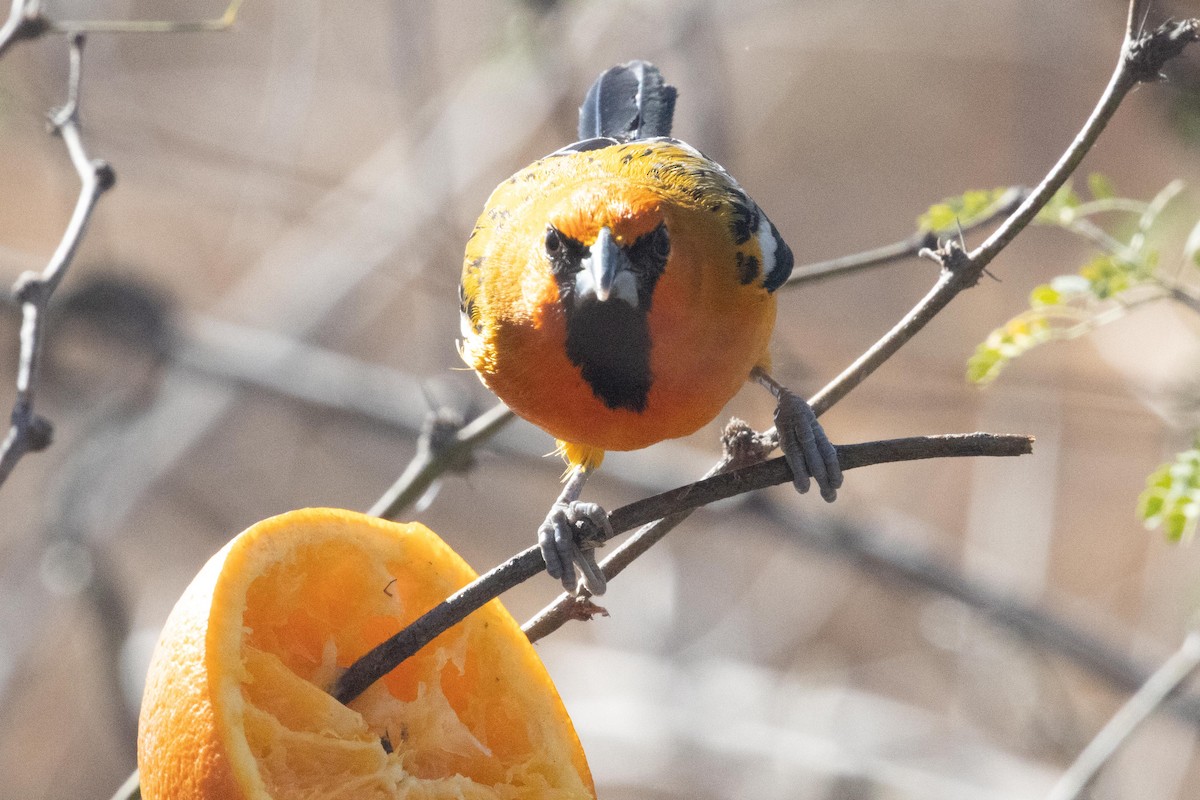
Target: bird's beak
605	272
603	262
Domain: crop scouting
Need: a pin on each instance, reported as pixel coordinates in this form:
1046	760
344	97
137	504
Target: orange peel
237	701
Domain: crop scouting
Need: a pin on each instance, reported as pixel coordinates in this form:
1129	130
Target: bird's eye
553	241
661	242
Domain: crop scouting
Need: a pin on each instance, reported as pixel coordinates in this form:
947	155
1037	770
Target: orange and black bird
619	292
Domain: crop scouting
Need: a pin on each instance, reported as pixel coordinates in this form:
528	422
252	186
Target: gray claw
568	539
554	538
808	450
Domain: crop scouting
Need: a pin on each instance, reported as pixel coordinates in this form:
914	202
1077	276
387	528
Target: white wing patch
766	243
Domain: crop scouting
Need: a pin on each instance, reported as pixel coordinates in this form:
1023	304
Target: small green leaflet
1103	288
965	210
1171	499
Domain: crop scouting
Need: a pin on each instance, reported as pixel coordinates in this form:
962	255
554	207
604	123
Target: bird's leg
805	446
569	537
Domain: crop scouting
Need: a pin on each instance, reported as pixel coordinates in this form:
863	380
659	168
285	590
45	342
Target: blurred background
264	311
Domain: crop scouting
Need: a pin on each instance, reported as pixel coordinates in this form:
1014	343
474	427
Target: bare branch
1161	685
131	789
24	22
224	22
30	432
1142	56
888	559
525	565
444	445
1183	295
905	248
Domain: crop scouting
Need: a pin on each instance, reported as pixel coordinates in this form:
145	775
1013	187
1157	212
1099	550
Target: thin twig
1005	204
1183	295
24	22
884	557
30	432
1169	677
131	789
224	22
385	657
437	455
1142	56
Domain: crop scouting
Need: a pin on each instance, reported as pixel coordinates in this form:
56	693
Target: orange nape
237	701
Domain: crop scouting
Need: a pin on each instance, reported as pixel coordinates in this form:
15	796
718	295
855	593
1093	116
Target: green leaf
1017	336
984	365
1150	504
1101	186
939	217
1044	295
1171	498
964	210
1177	526
1107	275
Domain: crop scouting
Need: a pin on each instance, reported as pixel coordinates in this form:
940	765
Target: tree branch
30	432
224	22
905	248
882	557
24	22
1142	56
385	657
444	445
1161	685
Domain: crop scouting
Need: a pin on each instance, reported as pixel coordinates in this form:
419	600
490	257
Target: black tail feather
628	102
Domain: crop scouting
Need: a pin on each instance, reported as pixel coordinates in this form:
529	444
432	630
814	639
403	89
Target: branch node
1146	55
32	25
439	435
28	287
106	176
954	260
929	241
39	433
931	254
743	446
584	609
61	117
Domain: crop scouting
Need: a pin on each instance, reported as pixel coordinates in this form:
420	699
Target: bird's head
606	247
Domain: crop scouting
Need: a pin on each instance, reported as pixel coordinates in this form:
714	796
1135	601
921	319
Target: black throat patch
610	343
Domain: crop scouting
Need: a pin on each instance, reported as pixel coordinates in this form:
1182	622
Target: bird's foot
569	538
806	447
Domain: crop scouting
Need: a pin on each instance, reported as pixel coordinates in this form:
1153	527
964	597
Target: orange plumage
709	317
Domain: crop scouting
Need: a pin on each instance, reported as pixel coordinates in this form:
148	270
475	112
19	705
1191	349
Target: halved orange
237	704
